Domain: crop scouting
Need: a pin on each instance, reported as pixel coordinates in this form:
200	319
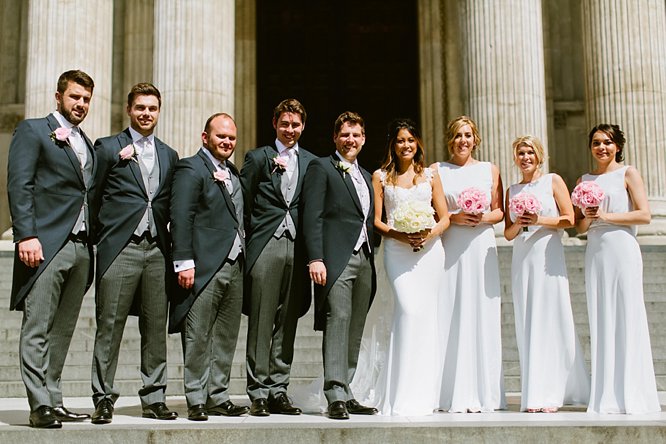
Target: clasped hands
416	240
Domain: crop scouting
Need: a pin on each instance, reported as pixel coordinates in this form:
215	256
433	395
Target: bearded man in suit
131	204
276	290
49	175
208	245
338	222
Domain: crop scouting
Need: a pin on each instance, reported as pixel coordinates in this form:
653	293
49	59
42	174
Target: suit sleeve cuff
183	265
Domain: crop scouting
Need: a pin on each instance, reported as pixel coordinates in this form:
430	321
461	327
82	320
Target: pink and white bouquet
587	194
524	203
472	201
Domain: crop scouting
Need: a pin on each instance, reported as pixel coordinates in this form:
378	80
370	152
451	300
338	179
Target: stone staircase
307	360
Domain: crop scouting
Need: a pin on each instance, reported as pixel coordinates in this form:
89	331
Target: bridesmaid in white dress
414	264
552	366
472	378
623	378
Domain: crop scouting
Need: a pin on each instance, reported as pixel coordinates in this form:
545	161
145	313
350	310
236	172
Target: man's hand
30	252
318	272
186	278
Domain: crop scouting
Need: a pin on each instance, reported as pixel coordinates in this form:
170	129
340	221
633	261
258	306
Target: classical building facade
548	68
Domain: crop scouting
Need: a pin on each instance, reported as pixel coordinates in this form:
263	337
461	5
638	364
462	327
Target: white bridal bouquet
413	216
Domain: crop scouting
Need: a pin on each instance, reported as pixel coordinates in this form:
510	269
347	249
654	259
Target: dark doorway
337	56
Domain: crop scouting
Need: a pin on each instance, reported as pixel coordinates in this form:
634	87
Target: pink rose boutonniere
60	135
221	176
128	153
472	201
524	203
341	166
279	164
587	194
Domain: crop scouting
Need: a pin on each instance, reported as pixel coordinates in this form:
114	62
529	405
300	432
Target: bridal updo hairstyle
532	142
391	162
453	128
616	135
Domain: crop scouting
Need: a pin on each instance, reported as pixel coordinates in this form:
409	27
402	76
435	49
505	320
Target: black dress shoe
282	405
197	413
44	418
159	410
259	407
228	408
63	414
354	407
337	410
103	412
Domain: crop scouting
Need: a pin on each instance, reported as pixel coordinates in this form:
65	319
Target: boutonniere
341	166
279	164
128	153
221	175
60	135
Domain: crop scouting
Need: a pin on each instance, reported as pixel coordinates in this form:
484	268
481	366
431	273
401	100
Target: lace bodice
394	196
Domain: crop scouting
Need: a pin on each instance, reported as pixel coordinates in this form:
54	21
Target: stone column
625	72
193	67
504	79
64	35
138	44
246	77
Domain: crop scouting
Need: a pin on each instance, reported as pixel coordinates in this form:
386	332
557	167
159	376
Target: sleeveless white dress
470	303
552	363
623	378
413	368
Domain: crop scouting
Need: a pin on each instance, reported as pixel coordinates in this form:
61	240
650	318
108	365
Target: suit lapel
163	159
223	189
302	163
124	139
276	177
69	151
348	181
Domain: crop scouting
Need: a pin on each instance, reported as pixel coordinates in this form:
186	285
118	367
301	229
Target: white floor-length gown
470	305
552	364
623	378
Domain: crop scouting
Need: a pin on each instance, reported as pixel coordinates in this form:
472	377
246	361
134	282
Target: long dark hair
391	162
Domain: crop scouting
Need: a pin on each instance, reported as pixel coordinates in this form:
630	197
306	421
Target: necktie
147	153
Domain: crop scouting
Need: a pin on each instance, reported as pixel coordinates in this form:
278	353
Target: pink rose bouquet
280	164
128	153
524	203
472	201
60	134
587	194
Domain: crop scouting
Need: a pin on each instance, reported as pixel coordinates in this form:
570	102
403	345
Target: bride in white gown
414	262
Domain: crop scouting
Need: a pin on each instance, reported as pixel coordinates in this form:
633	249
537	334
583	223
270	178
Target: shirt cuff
183	265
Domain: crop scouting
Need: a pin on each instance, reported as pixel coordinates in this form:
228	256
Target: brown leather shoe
353	406
337	410
282	405
159	410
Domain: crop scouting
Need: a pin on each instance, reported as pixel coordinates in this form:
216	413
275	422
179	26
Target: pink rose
221	175
62	133
280	164
587	194
523	203
128	153
472	201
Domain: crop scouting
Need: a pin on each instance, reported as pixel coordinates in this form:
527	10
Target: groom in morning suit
49	175
208	244
338	217
275	291
131	204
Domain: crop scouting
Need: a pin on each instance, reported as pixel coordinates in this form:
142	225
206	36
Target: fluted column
64	35
138	45
246	77
194	67
625	72
504	77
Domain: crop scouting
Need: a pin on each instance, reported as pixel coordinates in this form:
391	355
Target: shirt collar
136	136
62	121
281	148
346	162
217	163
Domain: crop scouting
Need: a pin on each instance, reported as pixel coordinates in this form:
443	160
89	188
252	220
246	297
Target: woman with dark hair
470	304
410	195
552	363
623	378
